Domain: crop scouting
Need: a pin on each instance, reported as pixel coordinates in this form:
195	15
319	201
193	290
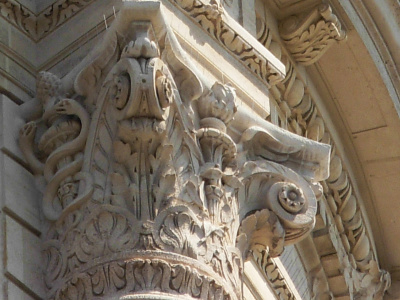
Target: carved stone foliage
210	17
274	275
36	26
308	36
300	114
147	193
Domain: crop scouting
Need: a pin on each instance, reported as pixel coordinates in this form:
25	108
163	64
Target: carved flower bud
142	46
291	198
219	103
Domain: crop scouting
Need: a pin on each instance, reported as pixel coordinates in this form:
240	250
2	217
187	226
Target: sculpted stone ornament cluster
64	124
307	37
147	195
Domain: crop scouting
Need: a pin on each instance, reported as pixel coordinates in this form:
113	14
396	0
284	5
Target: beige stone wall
20	223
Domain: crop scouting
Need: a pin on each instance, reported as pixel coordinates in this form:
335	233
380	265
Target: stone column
147	195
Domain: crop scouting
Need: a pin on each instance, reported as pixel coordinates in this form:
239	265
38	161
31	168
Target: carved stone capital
308	36
143	200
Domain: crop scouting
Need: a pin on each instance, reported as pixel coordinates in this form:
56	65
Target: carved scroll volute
277	203
160	219
289	199
146	231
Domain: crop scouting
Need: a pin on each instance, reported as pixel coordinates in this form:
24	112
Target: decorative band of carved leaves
209	17
37	26
274	275
143	273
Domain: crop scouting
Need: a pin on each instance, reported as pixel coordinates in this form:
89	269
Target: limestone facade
195	149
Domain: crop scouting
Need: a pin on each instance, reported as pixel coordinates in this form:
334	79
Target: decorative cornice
211	18
299	111
37	26
308	37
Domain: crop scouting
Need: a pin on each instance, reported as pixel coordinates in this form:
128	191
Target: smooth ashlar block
21	196
23	250
10	123
15	292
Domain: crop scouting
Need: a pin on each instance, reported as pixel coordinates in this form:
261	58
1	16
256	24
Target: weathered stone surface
148	184
23	248
10	122
15	292
185	166
21	196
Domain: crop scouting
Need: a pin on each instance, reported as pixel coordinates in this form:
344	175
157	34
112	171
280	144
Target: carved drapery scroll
308	37
147	193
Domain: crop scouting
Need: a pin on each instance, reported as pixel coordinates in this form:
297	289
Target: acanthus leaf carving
308	37
157	201
210	18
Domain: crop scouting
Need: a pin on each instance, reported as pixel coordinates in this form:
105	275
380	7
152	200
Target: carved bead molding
146	194
37	26
308	36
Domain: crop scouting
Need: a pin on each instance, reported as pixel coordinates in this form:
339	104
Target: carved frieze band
144	274
37	26
209	17
274	275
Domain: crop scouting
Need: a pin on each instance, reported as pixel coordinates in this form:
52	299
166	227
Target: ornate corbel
148	196
309	36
